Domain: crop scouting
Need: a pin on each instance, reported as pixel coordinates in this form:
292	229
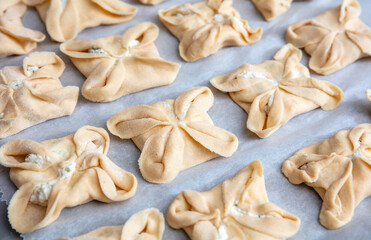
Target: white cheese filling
357	153
36	158
31	69
41	194
63	4
305	166
2	115
15	84
239	212
222	232
97	51
66	171
251	74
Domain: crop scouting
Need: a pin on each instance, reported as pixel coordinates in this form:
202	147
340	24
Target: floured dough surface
236	209
64	19
147	224
173	135
203	28
15	39
33	93
119	65
271	9
338	168
275	91
334	39
59	173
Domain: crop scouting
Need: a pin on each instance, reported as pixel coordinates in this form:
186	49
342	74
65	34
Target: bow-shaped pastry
236	209
119	65
150	2
338	168
334	39
203	28
14	37
173	135
32	93
147	224
275	91
271	9
59	173
64	19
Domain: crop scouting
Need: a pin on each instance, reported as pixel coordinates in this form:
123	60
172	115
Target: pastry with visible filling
59	173
15	39
271	9
339	169
236	209
203	28
64	19
275	91
147	224
32	93
151	2
173	135
334	39
119	65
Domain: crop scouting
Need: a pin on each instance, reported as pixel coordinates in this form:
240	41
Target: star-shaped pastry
58	173
119	65
236	209
150	2
334	39
64	19
338	168
275	91
173	135
147	224
203	28
15	39
32	93
271	9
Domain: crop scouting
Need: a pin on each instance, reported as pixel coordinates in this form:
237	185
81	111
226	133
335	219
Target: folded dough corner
15	39
203	28
270	9
116	66
151	2
173	135
338	169
59	173
32	93
275	91
236	209
333	39
148	224
65	19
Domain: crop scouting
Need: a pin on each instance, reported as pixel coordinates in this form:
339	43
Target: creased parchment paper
299	132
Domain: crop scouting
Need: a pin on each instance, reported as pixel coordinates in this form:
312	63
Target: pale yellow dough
271	9
32	93
151	2
119	65
275	91
236	209
203	28
15	39
147	224
339	169
334	39
59	173
64	19
368	93
173	135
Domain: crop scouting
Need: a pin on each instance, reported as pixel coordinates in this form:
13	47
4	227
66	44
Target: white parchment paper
299	132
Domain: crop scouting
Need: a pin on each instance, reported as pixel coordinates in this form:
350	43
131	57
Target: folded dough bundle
150	2
14	37
339	169
173	135
64	19
32	93
144	225
275	91
271	9
203	28
236	209
59	173
334	39
119	65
